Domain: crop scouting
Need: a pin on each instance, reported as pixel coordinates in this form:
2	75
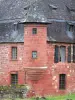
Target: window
14	79
34	31
71	54
60	54
15	26
14	53
34	54
71	28
62	81
56	54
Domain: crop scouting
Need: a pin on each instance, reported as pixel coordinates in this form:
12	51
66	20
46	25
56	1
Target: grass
65	97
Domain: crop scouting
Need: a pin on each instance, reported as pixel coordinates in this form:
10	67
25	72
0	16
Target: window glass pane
73	53
69	54
34	30
56	55
34	54
14	78
62	54
71	28
15	27
14	53
62	81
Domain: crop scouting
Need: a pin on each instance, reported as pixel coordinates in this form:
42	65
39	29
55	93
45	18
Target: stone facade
42	74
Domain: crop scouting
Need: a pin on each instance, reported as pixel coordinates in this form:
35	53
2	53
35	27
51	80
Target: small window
14	53
34	31
14	79
71	28
62	81
15	27
34	54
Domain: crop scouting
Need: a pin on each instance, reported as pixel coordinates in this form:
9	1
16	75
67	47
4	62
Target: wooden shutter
69	54
56	54
73	53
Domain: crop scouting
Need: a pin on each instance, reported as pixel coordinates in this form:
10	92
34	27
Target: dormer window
71	28
53	7
15	26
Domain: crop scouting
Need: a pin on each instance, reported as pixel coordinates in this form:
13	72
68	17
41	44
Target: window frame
57	54
14	81
71	28
15	27
62	81
13	53
71	54
60	57
34	54
34	31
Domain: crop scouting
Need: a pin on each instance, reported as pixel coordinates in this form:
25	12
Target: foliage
17	89
13	91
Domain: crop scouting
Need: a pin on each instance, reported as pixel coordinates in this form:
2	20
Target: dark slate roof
43	11
36	10
10	32
14	33
71	5
57	32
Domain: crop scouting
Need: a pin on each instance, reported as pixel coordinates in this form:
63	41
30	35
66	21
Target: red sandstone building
37	50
